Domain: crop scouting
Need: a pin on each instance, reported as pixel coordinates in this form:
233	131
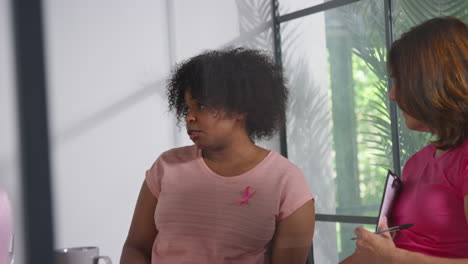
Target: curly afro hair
235	80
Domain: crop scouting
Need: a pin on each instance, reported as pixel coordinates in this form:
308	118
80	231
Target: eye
186	110
201	106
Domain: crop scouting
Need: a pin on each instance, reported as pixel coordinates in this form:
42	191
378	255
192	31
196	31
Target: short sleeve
294	194
153	177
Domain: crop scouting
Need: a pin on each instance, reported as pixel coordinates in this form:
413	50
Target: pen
391	229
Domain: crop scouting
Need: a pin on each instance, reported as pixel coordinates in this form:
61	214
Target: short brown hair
429	65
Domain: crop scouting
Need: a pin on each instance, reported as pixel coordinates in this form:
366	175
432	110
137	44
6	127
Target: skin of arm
138	246
293	237
466	208
373	248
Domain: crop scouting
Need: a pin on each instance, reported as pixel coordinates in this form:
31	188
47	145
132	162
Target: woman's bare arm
138	246
293	236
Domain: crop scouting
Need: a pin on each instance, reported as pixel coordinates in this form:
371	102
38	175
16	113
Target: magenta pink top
203	217
432	199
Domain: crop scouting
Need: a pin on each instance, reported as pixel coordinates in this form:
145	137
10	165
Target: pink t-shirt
203	217
432	200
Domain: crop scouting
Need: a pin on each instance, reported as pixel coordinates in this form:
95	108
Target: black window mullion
33	130
278	60
315	9
351	219
393	105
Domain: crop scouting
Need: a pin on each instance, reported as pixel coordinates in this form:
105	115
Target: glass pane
406	14
254	25
331	250
338	128
9	150
338	112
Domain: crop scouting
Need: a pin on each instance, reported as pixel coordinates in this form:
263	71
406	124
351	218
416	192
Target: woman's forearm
132	255
408	257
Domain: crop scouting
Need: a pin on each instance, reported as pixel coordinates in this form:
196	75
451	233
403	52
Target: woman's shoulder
461	153
276	159
283	166
457	154
179	153
172	158
423	154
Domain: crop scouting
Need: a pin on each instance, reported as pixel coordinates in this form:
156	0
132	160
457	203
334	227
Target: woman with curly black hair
224	199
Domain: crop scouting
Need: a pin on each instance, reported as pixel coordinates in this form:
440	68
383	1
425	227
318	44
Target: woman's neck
231	152
235	159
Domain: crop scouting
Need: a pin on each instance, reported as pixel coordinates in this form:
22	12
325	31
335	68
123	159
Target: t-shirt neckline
205	167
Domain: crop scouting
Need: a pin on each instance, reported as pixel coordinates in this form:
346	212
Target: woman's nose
190	117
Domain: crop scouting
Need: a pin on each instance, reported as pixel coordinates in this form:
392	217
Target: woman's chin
199	144
416	126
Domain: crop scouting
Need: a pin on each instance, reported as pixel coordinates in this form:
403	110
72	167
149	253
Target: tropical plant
369	46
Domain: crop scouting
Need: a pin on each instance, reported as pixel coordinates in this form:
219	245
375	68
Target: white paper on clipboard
392	188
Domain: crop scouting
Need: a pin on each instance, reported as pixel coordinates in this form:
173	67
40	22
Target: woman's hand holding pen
375	248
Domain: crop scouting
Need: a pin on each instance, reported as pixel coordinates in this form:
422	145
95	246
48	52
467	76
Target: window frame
277	20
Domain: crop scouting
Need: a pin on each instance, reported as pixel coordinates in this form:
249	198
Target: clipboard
392	188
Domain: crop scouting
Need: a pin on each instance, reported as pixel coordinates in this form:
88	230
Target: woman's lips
193	134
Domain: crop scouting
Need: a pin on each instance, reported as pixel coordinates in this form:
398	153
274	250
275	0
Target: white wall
107	61
108	115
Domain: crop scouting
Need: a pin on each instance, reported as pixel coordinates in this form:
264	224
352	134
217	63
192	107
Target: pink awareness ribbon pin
246	196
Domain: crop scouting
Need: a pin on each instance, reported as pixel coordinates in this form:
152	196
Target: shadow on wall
97	118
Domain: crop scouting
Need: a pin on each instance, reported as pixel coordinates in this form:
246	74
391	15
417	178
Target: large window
342	131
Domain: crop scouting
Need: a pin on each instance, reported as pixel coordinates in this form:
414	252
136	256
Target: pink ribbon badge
248	193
